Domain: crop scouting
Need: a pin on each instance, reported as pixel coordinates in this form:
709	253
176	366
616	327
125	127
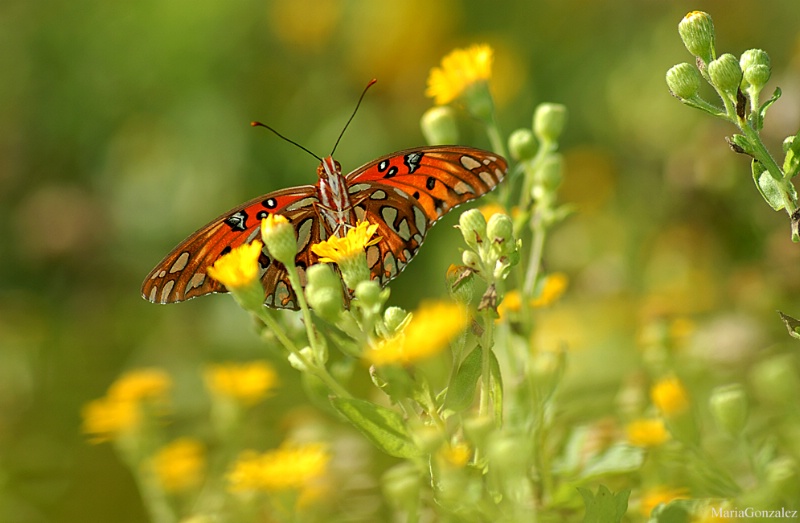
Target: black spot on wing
392	172
412	161
237	221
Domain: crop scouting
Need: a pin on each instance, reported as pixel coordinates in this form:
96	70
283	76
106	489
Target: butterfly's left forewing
407	192
182	274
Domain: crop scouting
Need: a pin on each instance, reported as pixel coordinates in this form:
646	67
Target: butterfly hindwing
181	275
407	192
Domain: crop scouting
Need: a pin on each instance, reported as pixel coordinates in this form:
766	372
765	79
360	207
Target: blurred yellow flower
554	287
244	382
669	396
107	418
653	497
180	465
136	385
119	411
459	70
490	209
239	268
431	328
647	432
512	302
288	467
457	455
341	250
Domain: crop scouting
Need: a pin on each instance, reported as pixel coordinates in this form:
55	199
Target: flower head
245	382
179	465
647	432
288	467
554	287
654	497
348	252
669	396
431	328
460	70
238	272
238	268
119	412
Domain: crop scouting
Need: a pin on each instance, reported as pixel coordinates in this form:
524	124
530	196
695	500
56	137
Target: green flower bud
324	291
729	408
697	32
401	485
370	295
500	230
788	143
726	74
754	57
471	259
757	75
459	284
395	319
550	173
683	81
280	238
473	227
439	125
775	380
298	362
522	145
548	121
478	101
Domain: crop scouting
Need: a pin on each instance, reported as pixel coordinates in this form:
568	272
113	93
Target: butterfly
404	194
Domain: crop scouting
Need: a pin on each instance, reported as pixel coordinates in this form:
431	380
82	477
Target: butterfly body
404	193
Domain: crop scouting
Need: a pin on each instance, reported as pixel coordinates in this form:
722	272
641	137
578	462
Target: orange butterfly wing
407	192
181	275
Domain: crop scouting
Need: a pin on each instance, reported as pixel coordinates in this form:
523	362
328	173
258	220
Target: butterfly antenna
370	84
265	126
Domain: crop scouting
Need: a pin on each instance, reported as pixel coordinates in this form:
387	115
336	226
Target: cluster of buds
493	250
732	78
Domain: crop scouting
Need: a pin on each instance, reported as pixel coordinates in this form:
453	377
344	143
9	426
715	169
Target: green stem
316	346
535	260
761	154
495	138
486	371
276	329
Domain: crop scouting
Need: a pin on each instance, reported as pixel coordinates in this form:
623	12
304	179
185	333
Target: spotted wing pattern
406	193
181	275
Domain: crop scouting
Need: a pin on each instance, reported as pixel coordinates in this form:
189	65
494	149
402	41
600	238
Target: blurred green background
124	127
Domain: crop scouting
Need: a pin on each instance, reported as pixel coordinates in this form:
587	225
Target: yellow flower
288	467
280	238
669	396
554	287
348	252
180	465
512	302
141	384
107	418
457	455
655	496
245	382
119	411
490	209
239	268
647	432
339	250
460	69
431	328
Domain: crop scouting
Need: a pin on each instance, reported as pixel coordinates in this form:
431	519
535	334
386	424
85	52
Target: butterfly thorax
335	207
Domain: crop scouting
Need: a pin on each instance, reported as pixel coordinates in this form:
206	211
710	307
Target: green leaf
763	109
605	506
792	324
461	391
385	428
767	186
791	163
618	459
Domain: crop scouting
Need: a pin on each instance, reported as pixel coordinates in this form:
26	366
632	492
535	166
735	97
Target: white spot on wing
469	162
487	178
463	188
300	204
166	290
420	220
358	188
196	281
180	263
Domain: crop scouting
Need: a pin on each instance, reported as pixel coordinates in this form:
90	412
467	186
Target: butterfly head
329	168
